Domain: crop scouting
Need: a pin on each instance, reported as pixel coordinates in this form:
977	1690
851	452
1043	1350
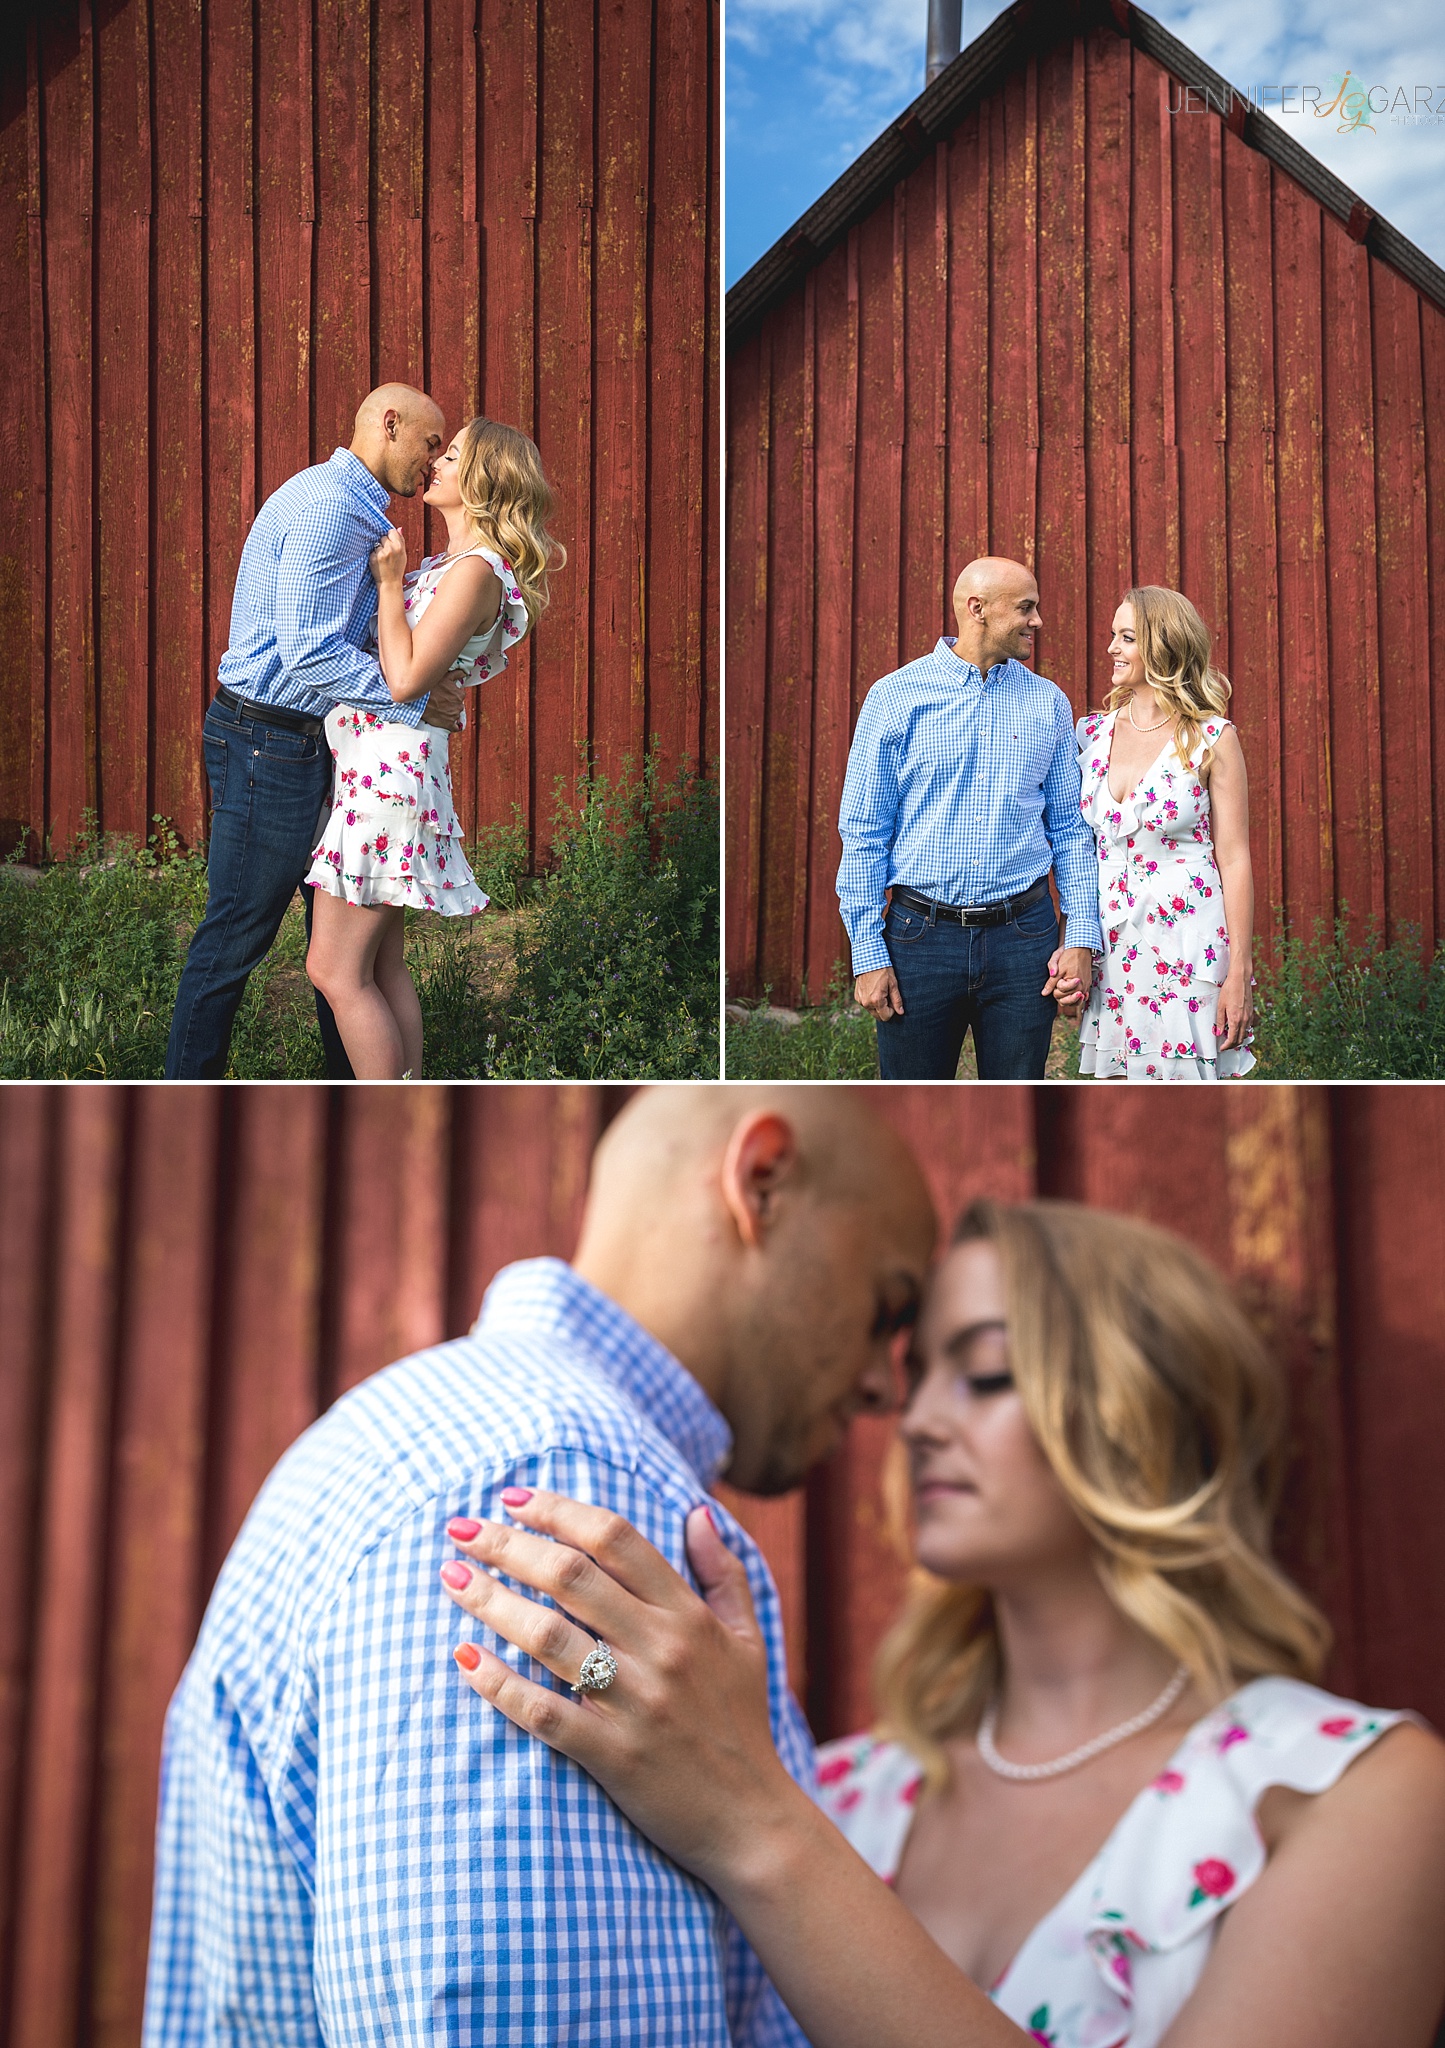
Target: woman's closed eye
985	1383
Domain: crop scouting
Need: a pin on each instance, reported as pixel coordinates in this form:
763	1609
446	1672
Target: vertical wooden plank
1013	259
1432	325
1308	806
749	603
835	454
388	1229
709	531
1392	1140
1107	358
177	473
1064	653
925	369
122	417
562	729
156	1523
787	708
621	602
521	1157
51	1909
230	359
1253	546
342	240
38	387
508	43
283	301
67	86
880	439
1354	642
267	1349
24	426
1199	262
1404	593
27	1288
1153	465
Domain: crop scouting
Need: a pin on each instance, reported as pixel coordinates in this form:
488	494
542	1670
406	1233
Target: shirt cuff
1081	928
870	954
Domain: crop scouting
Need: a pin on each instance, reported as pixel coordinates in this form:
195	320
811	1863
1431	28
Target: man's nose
880	1390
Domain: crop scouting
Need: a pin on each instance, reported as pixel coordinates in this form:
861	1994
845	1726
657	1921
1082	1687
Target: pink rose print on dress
1212	1880
911	1792
1168	1781
1232	1734
836	1768
1341	1724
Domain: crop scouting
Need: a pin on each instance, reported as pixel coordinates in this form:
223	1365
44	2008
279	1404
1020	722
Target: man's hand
878	994
444	705
1071	970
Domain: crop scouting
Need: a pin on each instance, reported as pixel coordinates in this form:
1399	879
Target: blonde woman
1109	1803
392	841
1165	790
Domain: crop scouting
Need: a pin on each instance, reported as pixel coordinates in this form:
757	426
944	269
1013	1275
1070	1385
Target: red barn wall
1121	346
187	1278
221	227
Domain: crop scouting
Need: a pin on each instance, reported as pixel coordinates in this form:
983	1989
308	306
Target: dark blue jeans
952	976
268	783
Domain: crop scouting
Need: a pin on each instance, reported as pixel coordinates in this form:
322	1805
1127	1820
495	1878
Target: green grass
1335	1007
602	967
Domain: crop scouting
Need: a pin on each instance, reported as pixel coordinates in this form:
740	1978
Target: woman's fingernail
457	1575
463	1531
712	1519
468	1656
516	1496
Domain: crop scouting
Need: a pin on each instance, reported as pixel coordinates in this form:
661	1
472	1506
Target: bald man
348	1852
962	795
301	626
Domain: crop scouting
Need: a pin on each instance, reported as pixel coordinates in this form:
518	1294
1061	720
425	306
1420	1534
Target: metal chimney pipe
945	32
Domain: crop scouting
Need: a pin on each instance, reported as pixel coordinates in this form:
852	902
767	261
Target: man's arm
1070	840
231	1930
315	592
867	820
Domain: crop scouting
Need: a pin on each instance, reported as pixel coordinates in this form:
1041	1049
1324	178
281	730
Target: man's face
413	443
831	1299
1010	618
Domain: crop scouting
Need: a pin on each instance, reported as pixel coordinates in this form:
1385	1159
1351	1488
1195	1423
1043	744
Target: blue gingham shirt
965	788
305	598
353	1848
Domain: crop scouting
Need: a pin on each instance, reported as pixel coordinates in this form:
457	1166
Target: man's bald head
398	435
996	604
775	1239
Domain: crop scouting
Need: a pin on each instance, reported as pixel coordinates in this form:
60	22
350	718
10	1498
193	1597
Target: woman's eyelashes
986	1383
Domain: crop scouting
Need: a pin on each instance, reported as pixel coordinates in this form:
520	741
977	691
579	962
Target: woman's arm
681	1741
468	598
1229	806
1341	1939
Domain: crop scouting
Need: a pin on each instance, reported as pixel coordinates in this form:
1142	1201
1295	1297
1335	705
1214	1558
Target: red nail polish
516	1496
468	1656
463	1531
712	1520
457	1575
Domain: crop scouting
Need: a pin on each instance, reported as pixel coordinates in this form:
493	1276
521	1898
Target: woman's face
989	1510
443	492
1128	670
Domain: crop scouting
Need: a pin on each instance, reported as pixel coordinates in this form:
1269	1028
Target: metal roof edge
1028	28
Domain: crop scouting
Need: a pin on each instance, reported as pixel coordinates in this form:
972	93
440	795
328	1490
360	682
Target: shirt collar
944	651
361	479
546	1295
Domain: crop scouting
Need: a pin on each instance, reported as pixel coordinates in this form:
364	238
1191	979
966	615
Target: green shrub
1337	1008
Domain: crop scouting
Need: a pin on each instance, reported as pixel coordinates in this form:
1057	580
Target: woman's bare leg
341	962
393	978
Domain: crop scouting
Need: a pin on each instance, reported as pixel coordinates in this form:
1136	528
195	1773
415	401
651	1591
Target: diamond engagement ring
599	1668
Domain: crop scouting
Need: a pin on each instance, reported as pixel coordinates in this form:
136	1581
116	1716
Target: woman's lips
941	1489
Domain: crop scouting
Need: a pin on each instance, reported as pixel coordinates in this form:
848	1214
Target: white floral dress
1151	1010
392	834
1114	1962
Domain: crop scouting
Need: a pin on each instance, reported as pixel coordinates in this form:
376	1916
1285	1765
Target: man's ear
761	1155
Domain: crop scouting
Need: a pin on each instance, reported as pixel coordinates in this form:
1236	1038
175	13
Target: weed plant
1340	1008
602	967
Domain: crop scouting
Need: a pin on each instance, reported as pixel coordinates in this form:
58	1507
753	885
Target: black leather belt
980	914
267	714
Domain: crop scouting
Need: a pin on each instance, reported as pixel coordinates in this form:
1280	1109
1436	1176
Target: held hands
388	559
1071	971
681	1739
1235	1013
878	994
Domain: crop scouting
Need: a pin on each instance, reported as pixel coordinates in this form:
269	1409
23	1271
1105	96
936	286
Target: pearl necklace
1129	714
1026	1773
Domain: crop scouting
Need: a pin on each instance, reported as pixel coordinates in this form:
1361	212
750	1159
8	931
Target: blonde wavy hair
508	501
1175	647
1161	1414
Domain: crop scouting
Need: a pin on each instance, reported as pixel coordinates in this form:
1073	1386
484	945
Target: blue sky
810	83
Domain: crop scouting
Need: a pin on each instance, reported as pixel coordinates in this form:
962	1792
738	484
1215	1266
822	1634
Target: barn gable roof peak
1028	29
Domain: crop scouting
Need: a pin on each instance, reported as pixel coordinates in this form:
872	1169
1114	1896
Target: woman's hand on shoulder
388	558
681	1738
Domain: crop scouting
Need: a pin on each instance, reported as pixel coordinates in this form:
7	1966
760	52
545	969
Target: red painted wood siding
188	1277
1120	346
221	227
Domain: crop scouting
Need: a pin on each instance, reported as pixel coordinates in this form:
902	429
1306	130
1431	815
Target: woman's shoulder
868	1787
1088	728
